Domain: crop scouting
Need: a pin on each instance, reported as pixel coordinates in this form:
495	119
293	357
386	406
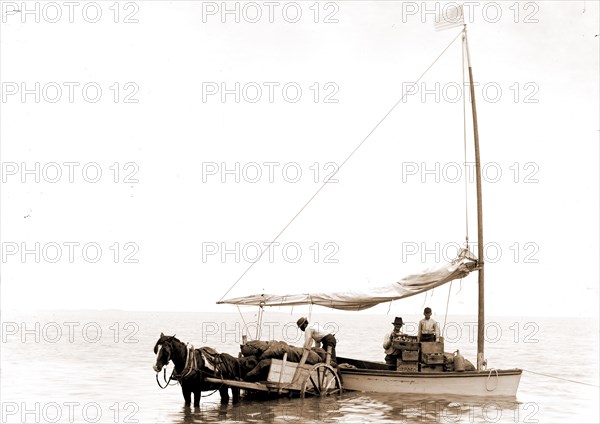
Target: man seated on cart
315	334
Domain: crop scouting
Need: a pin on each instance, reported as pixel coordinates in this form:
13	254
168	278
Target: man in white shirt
314	334
429	329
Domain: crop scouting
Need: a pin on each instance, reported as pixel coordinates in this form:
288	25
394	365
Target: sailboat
379	377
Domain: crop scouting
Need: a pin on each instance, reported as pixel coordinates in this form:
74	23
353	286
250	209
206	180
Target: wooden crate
408	367
406	345
432	347
410	355
405	342
433	358
432	368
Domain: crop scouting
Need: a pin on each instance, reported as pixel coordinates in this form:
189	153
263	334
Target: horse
192	366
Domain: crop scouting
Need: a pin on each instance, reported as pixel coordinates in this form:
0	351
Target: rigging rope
561	378
259	322
465	144
338	169
447	303
240	311
424	301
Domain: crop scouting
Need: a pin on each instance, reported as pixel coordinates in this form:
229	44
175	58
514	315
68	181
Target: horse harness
211	358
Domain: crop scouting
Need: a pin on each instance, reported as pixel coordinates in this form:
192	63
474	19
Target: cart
292	378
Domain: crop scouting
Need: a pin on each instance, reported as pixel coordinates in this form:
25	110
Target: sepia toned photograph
299	211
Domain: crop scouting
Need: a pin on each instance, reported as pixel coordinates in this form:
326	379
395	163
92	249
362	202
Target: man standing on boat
315	334
391	353
429	329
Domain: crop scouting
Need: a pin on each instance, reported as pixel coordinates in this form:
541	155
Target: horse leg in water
236	394
187	393
197	396
224	392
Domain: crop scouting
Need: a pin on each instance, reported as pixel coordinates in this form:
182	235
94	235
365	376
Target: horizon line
4	311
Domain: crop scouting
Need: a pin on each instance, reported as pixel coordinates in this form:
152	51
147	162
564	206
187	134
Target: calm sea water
91	366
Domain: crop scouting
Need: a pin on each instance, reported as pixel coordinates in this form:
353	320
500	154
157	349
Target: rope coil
488	380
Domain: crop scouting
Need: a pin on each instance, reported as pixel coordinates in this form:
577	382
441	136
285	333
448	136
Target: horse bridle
167	382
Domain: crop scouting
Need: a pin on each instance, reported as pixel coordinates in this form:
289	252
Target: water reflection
419	409
354	407
274	410
375	407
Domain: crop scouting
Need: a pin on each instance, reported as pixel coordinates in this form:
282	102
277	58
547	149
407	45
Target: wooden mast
481	301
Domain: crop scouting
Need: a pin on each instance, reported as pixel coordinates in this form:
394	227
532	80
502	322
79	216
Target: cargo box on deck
406	345
433	358
432	347
410	355
432	368
407	366
405	342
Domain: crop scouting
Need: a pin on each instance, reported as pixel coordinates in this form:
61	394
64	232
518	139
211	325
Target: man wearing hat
314	334
391	353
429	329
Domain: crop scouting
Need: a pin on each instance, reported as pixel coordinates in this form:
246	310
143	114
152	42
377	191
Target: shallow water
91	366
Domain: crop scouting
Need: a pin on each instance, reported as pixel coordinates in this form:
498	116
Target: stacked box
405	338
433	358
432	368
406	345
432	347
410	355
407	366
405	342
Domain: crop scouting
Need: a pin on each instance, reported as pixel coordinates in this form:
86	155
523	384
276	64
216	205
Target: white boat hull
503	383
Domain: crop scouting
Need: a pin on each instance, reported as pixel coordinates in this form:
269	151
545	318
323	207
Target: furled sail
356	300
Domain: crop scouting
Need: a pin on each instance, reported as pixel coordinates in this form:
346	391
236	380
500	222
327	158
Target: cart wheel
322	380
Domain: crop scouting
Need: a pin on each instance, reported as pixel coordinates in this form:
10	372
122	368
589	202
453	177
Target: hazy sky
164	98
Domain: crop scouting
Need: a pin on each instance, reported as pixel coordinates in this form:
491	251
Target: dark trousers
329	340
427	338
